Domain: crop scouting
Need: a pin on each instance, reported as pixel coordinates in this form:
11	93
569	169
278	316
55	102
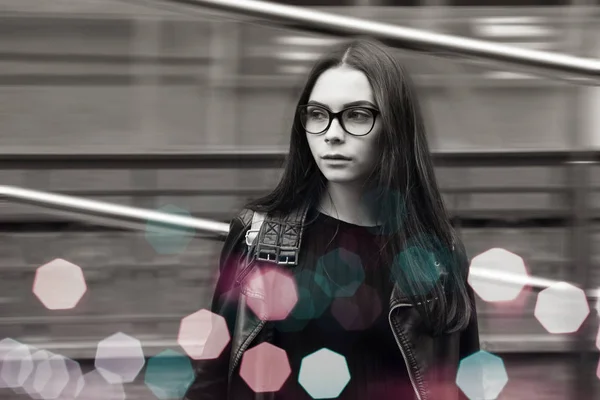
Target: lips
336	157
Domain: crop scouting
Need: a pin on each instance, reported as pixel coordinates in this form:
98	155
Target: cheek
372	151
371	158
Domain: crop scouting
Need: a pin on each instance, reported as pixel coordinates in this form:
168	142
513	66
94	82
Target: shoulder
235	244
240	222
245	216
238	226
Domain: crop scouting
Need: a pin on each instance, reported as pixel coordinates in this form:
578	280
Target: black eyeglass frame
337	115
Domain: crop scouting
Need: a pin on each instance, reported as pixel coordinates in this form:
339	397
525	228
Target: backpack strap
252	233
280	237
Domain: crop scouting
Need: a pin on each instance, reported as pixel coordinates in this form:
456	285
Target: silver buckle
258	257
250	230
287	261
275	256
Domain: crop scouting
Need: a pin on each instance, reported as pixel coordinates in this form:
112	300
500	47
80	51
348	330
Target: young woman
381	276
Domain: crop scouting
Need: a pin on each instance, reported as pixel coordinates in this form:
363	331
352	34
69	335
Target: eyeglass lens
356	120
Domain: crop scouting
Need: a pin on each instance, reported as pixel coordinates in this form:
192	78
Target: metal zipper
410	375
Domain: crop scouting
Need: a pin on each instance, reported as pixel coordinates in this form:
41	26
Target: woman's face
336	89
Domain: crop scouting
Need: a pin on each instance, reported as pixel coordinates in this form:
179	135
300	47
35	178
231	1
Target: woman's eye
315	114
359	115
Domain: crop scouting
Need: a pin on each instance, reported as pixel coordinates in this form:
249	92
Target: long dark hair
406	194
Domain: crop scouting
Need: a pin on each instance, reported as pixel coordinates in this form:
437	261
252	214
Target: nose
335	132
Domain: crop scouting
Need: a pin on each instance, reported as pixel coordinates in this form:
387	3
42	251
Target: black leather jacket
432	362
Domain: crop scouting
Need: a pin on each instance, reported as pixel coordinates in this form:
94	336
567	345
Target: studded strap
280	237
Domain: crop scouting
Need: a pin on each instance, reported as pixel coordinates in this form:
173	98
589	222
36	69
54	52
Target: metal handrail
559	66
139	218
113	214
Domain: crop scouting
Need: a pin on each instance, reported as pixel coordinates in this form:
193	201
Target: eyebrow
352	103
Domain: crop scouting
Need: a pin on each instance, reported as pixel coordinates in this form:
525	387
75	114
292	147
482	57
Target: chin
340	176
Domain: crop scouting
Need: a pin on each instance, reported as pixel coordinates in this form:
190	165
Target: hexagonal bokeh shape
312	302
317	300
6	345
119	358
300	315
271	293
324	374
497	275
417	269
517	307
59	284
38	379
265	368
481	376
203	335
339	273
17	366
169	374
75	381
166	238
561	308
96	387
391	208
358	312
419	280
56	370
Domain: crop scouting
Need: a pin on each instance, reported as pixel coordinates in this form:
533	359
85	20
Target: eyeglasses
356	120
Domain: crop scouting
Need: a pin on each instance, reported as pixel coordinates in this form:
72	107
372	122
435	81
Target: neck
343	201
